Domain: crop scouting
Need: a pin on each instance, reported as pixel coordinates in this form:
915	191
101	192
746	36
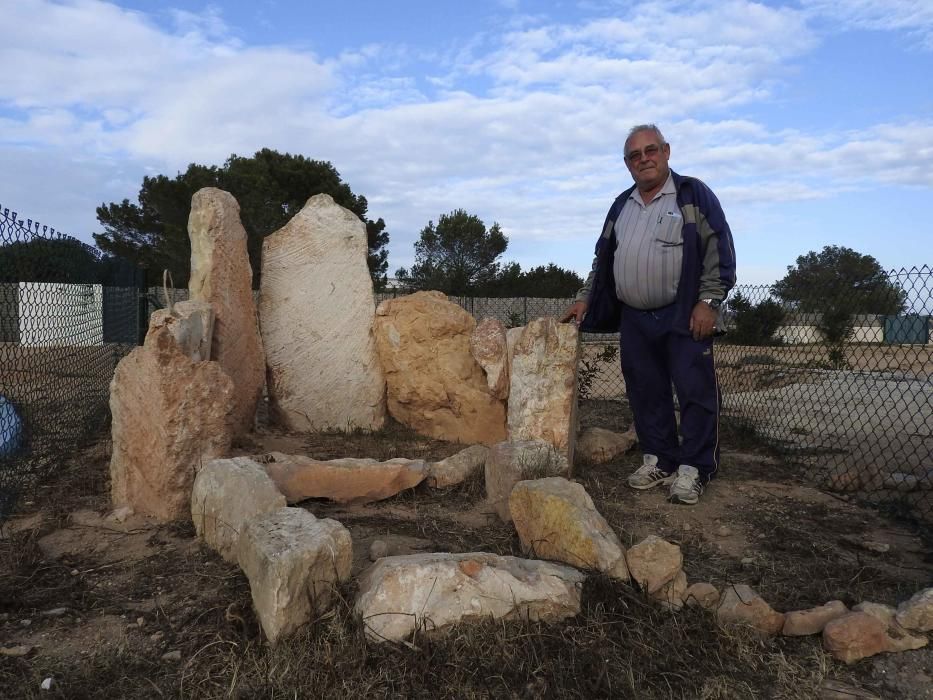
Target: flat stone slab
347	480
430	592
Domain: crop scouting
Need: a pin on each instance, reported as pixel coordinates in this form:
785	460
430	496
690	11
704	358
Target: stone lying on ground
543	385
858	635
221	275
433	384
672	594
556	519
347	480
598	445
316	310
227	494
800	623
513	461
489	348
170	416
917	613
653	562
900	638
457	468
704	595
741	605
428	592
293	562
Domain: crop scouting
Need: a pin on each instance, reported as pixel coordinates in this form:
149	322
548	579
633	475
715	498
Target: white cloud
914	17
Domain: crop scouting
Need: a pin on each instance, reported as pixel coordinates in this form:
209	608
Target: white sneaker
686	487
649	474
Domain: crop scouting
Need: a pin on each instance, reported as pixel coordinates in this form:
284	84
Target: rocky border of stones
294	561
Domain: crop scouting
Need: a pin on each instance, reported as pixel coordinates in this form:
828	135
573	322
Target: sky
812	120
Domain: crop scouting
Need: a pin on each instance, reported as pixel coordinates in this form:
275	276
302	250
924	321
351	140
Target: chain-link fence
67	316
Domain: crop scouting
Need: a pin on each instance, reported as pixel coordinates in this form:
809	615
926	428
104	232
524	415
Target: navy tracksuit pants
654	355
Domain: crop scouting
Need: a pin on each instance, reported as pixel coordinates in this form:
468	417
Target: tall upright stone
221	275
316	311
543	389
171	415
434	384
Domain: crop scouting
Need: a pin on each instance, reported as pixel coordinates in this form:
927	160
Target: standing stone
510	462
170	416
227	494
489	348
316	313
429	592
434	385
293	562
543	389
556	519
221	275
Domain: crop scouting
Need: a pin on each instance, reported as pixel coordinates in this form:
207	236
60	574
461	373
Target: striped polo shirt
649	252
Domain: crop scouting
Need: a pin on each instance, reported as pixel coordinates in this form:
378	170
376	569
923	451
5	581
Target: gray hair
646	127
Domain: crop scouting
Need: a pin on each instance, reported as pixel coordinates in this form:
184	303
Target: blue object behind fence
11	429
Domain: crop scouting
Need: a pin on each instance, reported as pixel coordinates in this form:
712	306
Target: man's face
646	160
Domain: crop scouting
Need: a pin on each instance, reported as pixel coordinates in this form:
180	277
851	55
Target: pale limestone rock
704	595
221	275
673	593
489	348
543	388
899	638
917	613
346	480
170	416
653	562
457	468
293	562
191	324
433	383
879	611
556	519
799	623
598	445
855	636
227	494
741	605
513	461
429	592
316	314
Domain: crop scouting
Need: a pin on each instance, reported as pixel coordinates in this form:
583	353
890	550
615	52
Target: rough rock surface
293	562
899	638
227	494
221	275
489	348
741	605
654	562
855	636
812	621
345	480
598	445
703	594
316	314
401	594
191	324
556	519
671	595
170	416
434	385
543	385
513	461
917	613
457	468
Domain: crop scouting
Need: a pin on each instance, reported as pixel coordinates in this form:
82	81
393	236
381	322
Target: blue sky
812	120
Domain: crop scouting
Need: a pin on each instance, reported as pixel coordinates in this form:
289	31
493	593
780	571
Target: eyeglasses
649	152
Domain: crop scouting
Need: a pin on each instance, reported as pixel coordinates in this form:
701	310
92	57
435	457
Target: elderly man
664	263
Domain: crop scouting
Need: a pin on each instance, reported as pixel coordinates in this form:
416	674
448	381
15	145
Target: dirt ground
135	609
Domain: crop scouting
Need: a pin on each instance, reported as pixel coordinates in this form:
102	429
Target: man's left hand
703	321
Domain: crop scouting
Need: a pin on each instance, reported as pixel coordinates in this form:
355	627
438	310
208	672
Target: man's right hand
575	312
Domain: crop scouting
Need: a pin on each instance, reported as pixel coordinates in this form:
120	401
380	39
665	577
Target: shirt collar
668	188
